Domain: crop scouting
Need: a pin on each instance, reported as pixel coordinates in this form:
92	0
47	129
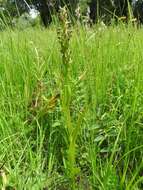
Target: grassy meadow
76	124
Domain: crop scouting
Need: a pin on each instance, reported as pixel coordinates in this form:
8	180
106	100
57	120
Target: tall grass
105	87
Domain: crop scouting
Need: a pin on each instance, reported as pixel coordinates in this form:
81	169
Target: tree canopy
99	9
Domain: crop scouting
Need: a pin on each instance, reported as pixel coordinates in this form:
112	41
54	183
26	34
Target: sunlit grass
105	81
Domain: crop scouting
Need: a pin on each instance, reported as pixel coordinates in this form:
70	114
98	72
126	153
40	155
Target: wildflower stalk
64	36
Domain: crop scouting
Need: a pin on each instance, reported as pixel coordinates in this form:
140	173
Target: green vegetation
71	108
12	12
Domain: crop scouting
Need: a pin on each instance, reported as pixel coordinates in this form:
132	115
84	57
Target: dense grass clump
79	127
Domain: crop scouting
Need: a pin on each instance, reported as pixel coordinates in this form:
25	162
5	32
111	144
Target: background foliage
105	10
